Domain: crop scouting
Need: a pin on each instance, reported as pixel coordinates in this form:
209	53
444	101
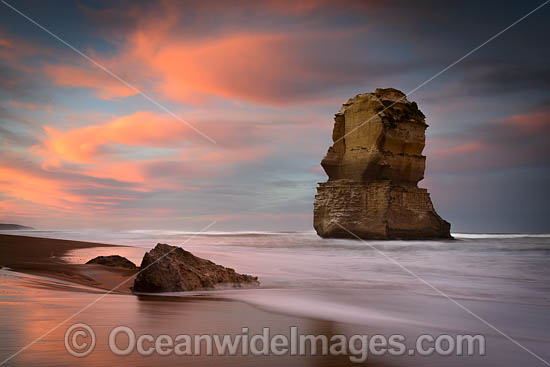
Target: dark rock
114	261
171	269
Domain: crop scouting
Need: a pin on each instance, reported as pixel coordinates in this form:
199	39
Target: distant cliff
374	167
9	227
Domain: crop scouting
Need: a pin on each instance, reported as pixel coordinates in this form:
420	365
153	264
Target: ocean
494	284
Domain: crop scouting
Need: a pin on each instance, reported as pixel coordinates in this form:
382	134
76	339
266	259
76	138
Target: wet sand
44	256
32	306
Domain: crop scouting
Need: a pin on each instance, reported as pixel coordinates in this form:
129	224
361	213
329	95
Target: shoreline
49	282
44	256
32	308
40	265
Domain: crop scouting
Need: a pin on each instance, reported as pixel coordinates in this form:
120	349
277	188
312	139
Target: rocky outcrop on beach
115	261
374	167
171	269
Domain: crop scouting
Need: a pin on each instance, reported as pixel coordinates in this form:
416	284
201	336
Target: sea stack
373	168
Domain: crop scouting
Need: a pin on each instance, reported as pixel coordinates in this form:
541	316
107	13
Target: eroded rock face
114	261
374	167
171	269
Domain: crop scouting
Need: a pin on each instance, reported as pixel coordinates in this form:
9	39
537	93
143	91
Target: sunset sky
80	149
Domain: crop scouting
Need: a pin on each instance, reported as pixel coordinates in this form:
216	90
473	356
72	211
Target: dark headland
12	227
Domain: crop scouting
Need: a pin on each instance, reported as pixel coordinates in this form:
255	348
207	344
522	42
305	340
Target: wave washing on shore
504	279
511	268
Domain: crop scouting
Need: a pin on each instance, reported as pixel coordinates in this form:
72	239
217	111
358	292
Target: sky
188	112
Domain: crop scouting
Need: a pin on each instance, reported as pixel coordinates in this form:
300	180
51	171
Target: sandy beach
44	256
42	304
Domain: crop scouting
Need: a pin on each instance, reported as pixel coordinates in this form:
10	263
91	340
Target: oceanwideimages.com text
80	341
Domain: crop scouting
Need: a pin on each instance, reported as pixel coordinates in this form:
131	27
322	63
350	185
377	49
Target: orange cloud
82	145
114	150
107	87
19	183
64	188
260	66
241	63
242	66
91	144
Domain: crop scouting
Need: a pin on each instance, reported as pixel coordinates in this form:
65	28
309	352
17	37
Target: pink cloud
251	63
520	140
271	67
438	147
94	151
31	187
62	189
147	129
13	48
83	145
106	86
29	106
530	123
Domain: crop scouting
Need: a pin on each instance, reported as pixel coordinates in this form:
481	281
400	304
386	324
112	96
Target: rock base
172	269
376	210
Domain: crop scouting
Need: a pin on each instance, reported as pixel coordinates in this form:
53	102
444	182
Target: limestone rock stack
374	166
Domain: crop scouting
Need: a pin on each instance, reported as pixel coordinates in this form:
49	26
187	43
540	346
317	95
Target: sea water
494	284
